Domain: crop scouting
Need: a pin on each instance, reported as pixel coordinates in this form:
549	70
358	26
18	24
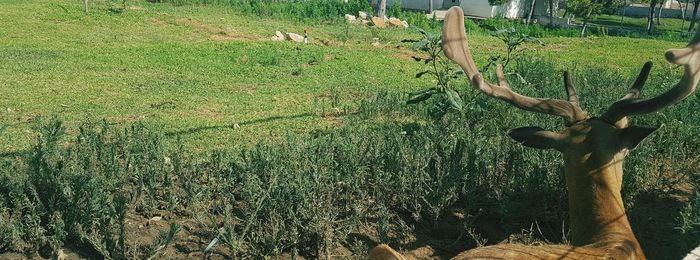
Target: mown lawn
640	23
200	72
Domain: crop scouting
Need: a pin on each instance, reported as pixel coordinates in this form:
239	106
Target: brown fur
384	252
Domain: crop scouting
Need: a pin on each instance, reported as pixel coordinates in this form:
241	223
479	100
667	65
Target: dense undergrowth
390	174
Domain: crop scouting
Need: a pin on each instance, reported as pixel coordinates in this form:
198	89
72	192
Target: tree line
588	9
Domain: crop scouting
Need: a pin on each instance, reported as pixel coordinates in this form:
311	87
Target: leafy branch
512	38
430	52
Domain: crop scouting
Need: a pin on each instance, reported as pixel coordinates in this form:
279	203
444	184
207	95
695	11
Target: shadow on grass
654	218
615	21
244	123
13	154
193	130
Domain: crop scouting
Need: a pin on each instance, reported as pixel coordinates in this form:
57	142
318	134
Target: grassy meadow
181	130
197	70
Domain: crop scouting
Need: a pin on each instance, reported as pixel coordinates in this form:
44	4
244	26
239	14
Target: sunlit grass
197	70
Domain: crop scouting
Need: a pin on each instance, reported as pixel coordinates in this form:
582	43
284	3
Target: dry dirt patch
215	33
404	53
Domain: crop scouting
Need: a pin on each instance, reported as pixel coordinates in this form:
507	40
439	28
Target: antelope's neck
596	210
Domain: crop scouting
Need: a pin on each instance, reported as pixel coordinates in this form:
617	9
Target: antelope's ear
633	135
539	138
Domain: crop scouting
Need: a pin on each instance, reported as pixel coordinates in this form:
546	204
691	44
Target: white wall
520	8
512	9
422	5
480	8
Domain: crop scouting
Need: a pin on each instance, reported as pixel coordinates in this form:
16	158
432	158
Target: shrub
297	10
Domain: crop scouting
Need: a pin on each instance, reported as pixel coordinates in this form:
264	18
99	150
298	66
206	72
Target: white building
478	8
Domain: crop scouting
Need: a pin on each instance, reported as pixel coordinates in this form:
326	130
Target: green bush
312	10
80	193
418	19
395	9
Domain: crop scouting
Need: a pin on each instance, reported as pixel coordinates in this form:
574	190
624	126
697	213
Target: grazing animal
594	149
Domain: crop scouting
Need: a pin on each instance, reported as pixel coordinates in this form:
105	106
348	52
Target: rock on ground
279	36
295	37
362	15
350	18
394	21
378	22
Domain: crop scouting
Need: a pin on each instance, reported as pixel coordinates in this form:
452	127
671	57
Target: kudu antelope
593	148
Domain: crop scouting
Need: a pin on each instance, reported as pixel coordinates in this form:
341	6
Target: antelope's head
588	143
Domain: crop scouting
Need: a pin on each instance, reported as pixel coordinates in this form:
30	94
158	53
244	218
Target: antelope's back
525	252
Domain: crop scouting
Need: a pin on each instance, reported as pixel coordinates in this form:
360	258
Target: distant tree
551	10
684	12
658	13
650	17
382	9
532	11
695	16
587	9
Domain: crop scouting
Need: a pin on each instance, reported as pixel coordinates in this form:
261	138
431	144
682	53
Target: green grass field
198	70
151	131
667	24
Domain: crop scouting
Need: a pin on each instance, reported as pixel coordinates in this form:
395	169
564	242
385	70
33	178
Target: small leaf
437	112
501	31
421	31
420	44
454	99
420	96
488	27
420	74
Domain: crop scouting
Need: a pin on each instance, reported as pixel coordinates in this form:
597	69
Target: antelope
594	149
